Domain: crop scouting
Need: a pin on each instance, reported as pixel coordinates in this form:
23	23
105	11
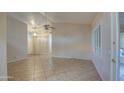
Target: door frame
115	30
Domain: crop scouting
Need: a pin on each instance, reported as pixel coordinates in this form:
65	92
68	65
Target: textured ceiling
72	17
33	18
37	18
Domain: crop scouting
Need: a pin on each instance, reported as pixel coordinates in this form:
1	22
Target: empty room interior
55	46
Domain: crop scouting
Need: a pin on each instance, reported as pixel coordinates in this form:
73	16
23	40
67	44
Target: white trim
71	57
96	33
15	60
111	67
114	48
118	46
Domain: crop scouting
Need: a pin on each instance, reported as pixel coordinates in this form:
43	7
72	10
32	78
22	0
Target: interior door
114	45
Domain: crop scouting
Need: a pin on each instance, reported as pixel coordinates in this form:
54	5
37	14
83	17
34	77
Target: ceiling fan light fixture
34	34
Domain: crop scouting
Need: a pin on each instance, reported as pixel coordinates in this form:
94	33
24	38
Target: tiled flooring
40	68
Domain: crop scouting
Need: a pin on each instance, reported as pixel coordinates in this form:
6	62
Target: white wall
3	44
71	41
16	39
103	63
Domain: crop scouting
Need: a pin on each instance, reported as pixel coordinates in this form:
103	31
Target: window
97	40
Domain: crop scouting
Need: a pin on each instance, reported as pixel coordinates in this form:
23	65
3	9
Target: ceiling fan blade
52	27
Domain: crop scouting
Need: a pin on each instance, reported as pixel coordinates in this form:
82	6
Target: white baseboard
15	60
70	57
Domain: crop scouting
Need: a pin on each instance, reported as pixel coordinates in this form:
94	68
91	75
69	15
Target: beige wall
16	39
3	44
71	41
102	62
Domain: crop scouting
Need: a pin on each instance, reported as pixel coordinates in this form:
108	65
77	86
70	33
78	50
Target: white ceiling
72	17
33	18
38	18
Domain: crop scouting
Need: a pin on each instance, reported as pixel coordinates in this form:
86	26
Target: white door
114	45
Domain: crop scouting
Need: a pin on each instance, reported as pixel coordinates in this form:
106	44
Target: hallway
39	68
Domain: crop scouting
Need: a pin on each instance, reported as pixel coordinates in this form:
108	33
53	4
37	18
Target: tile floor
42	68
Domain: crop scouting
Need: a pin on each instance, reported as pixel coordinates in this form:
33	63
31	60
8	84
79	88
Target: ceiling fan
47	26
